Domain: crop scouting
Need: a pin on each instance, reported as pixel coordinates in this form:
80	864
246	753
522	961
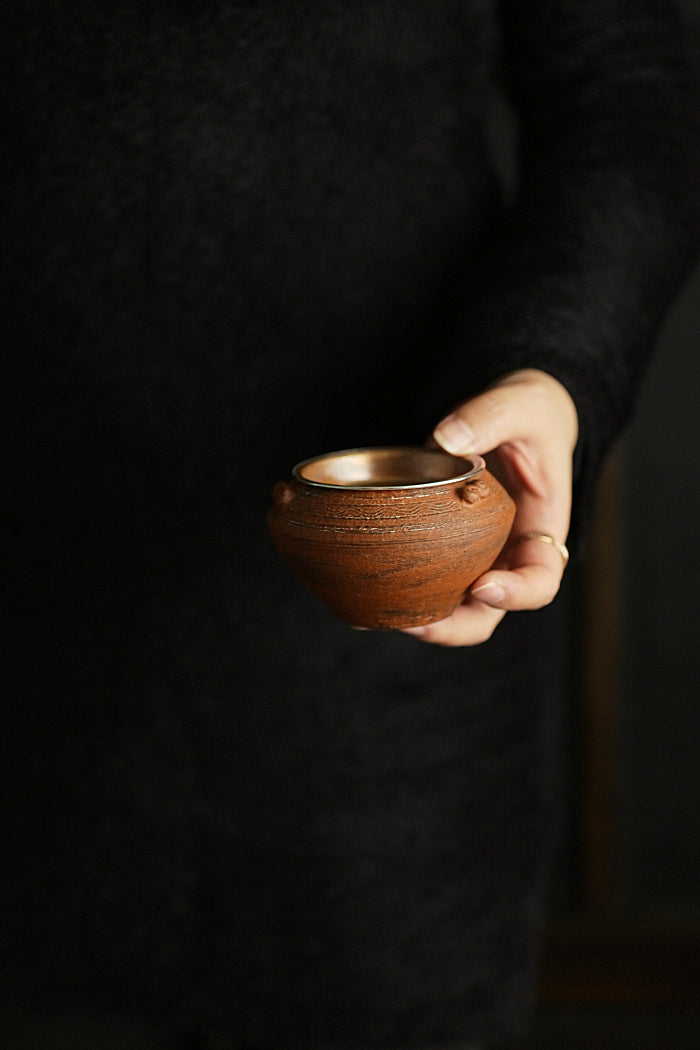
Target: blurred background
621	968
622	960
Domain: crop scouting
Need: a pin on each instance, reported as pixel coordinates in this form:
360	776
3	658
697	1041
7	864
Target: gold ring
544	537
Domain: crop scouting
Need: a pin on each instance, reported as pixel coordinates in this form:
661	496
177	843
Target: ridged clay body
390	537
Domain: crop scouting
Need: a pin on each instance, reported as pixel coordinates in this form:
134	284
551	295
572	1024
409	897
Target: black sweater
235	235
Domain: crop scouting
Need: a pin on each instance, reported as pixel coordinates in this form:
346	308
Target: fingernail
455	435
490	593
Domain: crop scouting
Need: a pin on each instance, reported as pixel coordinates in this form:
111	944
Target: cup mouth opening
386	468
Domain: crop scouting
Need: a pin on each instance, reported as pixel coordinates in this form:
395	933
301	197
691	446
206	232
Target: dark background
621	966
631	628
658	804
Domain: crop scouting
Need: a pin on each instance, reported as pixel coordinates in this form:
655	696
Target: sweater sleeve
605	224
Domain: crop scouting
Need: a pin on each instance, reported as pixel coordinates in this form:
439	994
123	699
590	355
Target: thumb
482	423
508	411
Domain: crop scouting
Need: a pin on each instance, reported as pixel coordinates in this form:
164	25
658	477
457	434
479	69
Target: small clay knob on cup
282	493
390	537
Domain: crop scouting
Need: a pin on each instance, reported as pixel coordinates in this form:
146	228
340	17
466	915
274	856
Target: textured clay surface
391	558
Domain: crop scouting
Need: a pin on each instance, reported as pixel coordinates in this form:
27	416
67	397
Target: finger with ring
545	537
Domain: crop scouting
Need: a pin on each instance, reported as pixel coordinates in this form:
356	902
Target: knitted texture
236	235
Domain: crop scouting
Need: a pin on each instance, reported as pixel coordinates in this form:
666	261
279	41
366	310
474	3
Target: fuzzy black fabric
237	234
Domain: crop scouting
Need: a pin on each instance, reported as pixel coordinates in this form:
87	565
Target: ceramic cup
390	537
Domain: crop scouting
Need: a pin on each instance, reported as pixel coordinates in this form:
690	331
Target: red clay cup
390	537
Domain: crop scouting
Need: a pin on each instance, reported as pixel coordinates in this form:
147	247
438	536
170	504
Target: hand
526	427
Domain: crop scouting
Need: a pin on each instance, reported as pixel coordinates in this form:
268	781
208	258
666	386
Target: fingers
470	624
526	424
530	586
506	412
531	582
